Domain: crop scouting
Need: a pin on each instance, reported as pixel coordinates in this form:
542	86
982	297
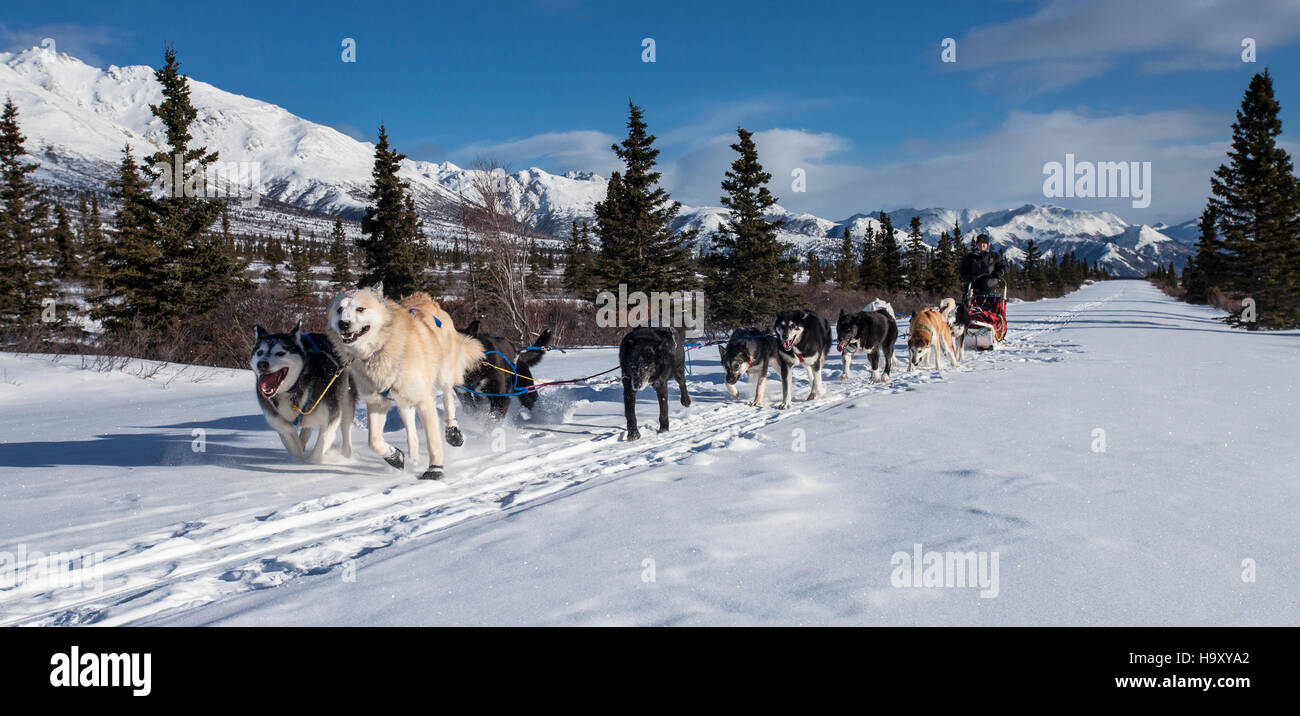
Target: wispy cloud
1001	169
1063	42
582	150
80	41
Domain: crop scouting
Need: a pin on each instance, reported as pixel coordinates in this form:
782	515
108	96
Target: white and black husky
805	339
749	352
873	331
294	373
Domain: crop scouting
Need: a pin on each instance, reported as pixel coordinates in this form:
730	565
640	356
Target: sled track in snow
197	563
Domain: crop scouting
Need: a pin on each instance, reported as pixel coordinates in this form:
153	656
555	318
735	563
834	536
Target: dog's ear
722	352
378	289
297	328
259	333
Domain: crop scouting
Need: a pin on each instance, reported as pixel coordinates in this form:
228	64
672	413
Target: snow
744	515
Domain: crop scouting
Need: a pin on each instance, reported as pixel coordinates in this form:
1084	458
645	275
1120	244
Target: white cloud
999	170
582	150
1064	42
79	41
1002	169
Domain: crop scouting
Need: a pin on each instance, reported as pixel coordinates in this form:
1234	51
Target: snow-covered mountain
77	119
1187	232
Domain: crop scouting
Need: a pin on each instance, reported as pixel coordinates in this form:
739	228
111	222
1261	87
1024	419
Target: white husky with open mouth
403	351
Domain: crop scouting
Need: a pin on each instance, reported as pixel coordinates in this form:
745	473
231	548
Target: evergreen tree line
162	261
879	264
1249	243
746	271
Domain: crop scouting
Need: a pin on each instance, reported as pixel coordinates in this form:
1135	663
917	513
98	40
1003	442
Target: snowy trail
202	561
172	568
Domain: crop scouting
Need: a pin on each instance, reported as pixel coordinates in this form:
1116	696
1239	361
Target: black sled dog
875	332
651	356
749	352
805	340
491	375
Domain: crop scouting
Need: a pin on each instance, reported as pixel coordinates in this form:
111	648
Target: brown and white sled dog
927	335
403	351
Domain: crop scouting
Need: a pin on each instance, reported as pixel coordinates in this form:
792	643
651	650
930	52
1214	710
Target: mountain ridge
77	119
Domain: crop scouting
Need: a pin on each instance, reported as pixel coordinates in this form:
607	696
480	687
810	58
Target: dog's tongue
268	383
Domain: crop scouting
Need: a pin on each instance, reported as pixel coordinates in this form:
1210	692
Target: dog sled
986	318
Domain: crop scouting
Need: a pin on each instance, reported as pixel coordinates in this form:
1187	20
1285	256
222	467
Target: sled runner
986	318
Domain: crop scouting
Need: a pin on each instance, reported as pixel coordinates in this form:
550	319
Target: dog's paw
633	434
454	437
396	458
844	376
755	403
434	472
663	428
784	406
686	400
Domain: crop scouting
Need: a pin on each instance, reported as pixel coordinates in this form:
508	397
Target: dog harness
316	349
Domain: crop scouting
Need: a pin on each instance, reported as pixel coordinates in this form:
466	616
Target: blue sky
854	93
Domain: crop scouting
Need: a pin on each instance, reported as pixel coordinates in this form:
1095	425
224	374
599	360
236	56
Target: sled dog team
381	351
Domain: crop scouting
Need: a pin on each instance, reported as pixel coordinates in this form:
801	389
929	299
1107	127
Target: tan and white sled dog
929	334
403	351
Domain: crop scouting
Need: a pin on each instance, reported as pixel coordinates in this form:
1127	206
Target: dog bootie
396	458
433	473
454	436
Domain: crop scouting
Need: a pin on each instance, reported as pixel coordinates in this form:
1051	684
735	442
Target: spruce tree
1257	200
945	275
301	284
1205	271
391	228
749	272
846	262
340	260
64	245
275	255
93	245
1031	265
815	277
572	277
634	222
891	262
25	275
869	266
129	261
195	269
918	274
